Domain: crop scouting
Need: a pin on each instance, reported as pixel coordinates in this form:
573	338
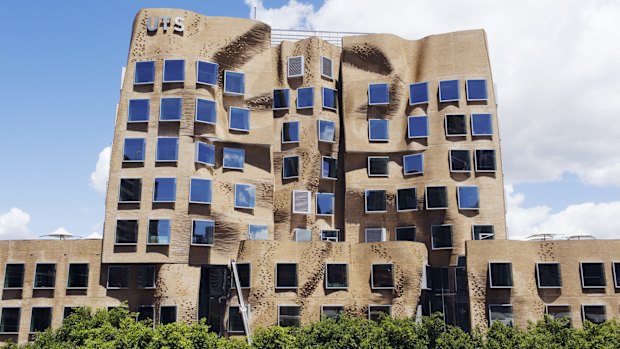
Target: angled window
234	158
378	130
327	131
418	93
280	99
477	90
40	319
592	275
332	235
145	73
295	67
330	98
206	73
138	110
45	275
460	160
290	167
378	166
558	311
375	235
332	311
485	160
441	237
159	232
455	125
289	315
405	233
327	70
417	126
258	232
239	119
174	70
205	153
9	320
146	312
378	94
593	313
501	313
305	97
170	109
301	202
324	204
336	276
548	275
200	191
146	276
234	83
482	232
126	232
118	276
133	150
203	232
244	271
376	201
167	314
615	266
205	111
329	168
303	234
78	275
406	200
290	132
382	276
164	190
286	275
468	197
481	125
167	149
413	164
245	195
14	276
436	198
376	312
449	91
235	320
500	275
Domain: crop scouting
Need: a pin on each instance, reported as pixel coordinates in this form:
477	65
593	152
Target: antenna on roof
254	12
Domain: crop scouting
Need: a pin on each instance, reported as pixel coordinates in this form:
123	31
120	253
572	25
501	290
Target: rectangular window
405	233
146	276
449	91
301	202
500	275
146	312
203	232
593	313
305	98
336	276
205	153
45	275
126	231
485	160
200	191
167	149
592	275
468	198
286	275
9	322
406	200
258	232
303	234
324	204
167	314
290	132
235	320
289	315
244	271
456	126
558	311
418	93
205	111
332	235
295	67
417	126
290	167
330	98
206	73
441	237
460	160
40	319
280	99
615	266
170	109
501	313
174	70
118	276
481	125
382	276
482	232
239	119
14	276
78	275
332	311
159	232
245	195
165	190
375	234
378	130
327	70
376	312
477	90
329	168
234	83
378	166
234	158
138	110
378	94
376	201
327	131
413	164
145	73
436	198
548	275
133	150
439	279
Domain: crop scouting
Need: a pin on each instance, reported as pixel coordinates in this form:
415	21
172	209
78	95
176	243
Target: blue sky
61	64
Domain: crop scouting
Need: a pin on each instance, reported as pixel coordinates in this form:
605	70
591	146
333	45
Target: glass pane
417	126
436	197
145	72
146	276
332	311
485	160
477	90
138	110
200	190
126	231
330	235
449	90
468	198
9	323
174	70
244	195
239	119
481	125
235	320
167	149
205	111
375	235
441	236
290	167
164	190
203	232
290	132
324	204
301	201
330	98
280	99
405	234
243	271
146	312
168	314
118	277
41	319
418	93
593	274
305	97
594	313
286	275
170	109
483	232
78	275
14	276
407	199
378	166
459	161
258	232
501	274
413	164
303	235
330	168
337	276
382	276
234	158
549	275
455	125
378	130
375	312
501	313
159	231
376	201
133	149
206	153
207	73
378	94
289	316
327	131
45	275
234	82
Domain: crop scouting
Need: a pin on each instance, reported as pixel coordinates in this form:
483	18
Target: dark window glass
413	164
549	275
501	313
164	190
469	198
67	311
481	125
407	199
332	235
286	275
170	109
417	126
167	314
441	236
280	98
146	276
376	201
200	191
375	312
594	313
239	119
436	198
205	153
336	276
206	73
133	149
245	195
45	276
244	272
305	97
289	316
559	311
616	267
325	204
290	132
500	274
327	131
138	110
146	312
234	158
460	160
330	98
332	311
9	322
455	125
203	232
78	275
258	232
449	91
167	149
439	279
174	70
126	231
378	94
145	73
159	231
485	160
205	111
234	83
41	319
593	275
375	234
418	93
290	167
477	90
382	276
483	232
14	276
235	320
378	130
330	168
378	166
405	234
118	276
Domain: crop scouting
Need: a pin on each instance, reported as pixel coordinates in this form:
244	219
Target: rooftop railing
335	38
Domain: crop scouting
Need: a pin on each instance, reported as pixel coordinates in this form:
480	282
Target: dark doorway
214	289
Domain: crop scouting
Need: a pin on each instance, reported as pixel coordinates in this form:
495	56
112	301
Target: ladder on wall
242	306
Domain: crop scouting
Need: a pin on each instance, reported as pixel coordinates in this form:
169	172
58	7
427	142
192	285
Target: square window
133	150
290	132
138	110
501	313
170	109
456	125
405	233
324	204
167	314
206	73
286	275
378	94
126	231
460	160
258	232
280	99
327	70
593	313
167	149
439	278
477	90
295	66
146	312
330	98
9	321
418	93
301	202
200	191
375	235
336	276
449	91
417	126
500	275
332	311
234	83
118	276
40	319
244	271
14	276
145	73
245	195
289	315
376	312
146	276
327	131
378	130
485	160
159	232
78	275
382	276
239	119
303	234
234	158
332	235
378	166
468	197
615	266
305	97
164	190
413	164
174	70
436	198
557	311
592	275
203	232
441	237
205	153
376	201
481	125
45	275
290	167
548	275
329	168
205	111
482	232
406	199
235	320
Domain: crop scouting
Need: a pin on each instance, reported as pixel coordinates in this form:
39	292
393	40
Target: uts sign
153	25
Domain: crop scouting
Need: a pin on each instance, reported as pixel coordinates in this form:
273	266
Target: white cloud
99	177
292	15
14	225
